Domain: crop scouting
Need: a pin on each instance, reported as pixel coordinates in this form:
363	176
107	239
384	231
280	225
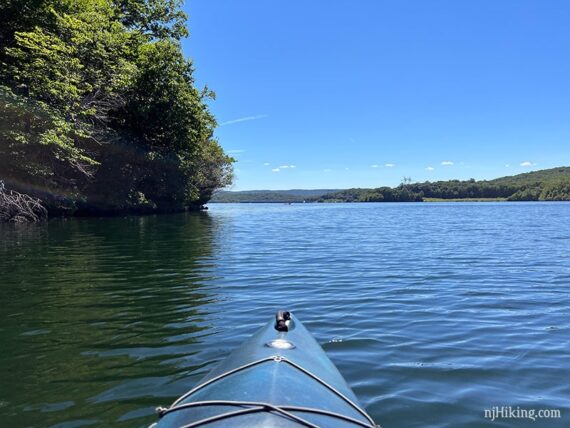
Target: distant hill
257	196
547	184
535	177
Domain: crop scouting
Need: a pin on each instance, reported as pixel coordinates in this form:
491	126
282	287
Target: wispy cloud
327	170
235	152
527	163
292	166
390	165
430	168
507	165
265	163
374	166
275	170
243	119
447	163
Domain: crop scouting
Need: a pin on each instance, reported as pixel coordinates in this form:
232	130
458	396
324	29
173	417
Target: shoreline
469	200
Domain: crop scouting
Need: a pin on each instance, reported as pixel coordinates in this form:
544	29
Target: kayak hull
285	369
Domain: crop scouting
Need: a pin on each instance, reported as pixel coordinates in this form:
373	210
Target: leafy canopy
97	93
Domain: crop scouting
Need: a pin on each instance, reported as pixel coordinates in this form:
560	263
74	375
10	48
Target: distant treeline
380	194
547	185
269	196
99	111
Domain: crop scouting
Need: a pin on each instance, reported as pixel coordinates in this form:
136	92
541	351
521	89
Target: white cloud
265	163
275	170
292	166
507	165
527	163
326	170
374	166
430	168
235	151
447	163
390	165
284	166
243	119
346	169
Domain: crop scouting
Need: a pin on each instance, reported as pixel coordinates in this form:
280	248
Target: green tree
99	108
65	79
159	19
169	120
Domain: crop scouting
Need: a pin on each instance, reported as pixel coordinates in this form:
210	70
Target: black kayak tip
282	320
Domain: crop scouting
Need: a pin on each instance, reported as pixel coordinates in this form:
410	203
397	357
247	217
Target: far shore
466	200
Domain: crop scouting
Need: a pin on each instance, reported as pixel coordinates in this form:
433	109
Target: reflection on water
432	312
99	316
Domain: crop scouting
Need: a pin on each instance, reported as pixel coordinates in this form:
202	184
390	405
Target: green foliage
213	171
401	193
534	178
549	184
38	154
25	15
453	189
99	108
526	194
164	110
268	196
170	120
556	190
159	19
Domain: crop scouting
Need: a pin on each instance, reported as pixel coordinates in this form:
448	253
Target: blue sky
339	93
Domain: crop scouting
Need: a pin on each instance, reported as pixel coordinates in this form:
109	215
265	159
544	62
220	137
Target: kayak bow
280	377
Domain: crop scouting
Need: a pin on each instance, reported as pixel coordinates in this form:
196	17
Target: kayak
280	377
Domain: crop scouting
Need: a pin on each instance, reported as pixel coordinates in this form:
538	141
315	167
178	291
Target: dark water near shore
432	312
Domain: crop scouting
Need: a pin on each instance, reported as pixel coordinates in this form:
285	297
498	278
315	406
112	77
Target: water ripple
432	312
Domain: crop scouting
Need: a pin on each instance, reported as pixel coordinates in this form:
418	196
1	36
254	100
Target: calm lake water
432	312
